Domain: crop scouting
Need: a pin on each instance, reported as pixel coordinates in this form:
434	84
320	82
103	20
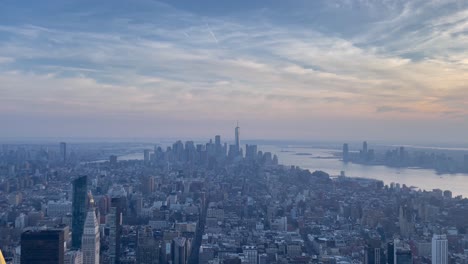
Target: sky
299	69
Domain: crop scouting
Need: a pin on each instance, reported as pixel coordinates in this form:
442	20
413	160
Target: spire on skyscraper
237	137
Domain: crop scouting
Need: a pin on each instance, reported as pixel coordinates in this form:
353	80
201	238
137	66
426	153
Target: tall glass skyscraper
79	211
114	220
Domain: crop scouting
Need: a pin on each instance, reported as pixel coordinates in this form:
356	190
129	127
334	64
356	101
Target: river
323	159
314	158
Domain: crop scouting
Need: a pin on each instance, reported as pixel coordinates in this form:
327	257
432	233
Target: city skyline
209	202
328	70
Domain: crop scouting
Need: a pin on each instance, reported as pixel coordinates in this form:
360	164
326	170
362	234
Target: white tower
90	239
439	249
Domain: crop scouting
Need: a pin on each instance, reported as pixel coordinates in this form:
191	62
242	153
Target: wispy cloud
386	108
212	33
6	60
410	61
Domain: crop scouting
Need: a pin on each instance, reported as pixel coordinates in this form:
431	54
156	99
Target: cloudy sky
301	69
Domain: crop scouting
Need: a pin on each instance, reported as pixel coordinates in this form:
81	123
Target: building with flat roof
43	246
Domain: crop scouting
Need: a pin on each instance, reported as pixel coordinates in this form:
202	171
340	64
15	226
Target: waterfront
314	158
323	159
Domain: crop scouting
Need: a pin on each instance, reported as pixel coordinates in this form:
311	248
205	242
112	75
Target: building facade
439	249
43	246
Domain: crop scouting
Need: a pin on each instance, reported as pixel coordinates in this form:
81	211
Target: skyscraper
218	146
114	221
179	250
439	249
146	154
90	240
401	252
113	160
390	253
251	254
251	152
63	151
345	152
237	134
374	253
403	256
80	194
147	184
148	250
111	221
43	246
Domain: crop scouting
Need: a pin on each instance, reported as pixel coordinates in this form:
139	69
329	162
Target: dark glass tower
43	246
118	205
390	253
79	211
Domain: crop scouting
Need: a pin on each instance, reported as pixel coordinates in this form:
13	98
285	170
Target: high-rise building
90	245
405	220
42	246
114	221
448	194
147	184
63	151
439	249
232	153
136	204
402	154
345	152
390	253
374	253
251	253
218	146
364	147
113	160
207	253
263	258
80	193
179	250
237	136
403	256
251	152
148	249
146	155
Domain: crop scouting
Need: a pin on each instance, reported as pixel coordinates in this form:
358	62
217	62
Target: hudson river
323	159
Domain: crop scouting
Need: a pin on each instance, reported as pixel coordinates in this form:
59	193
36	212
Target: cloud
6	60
386	108
409	61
